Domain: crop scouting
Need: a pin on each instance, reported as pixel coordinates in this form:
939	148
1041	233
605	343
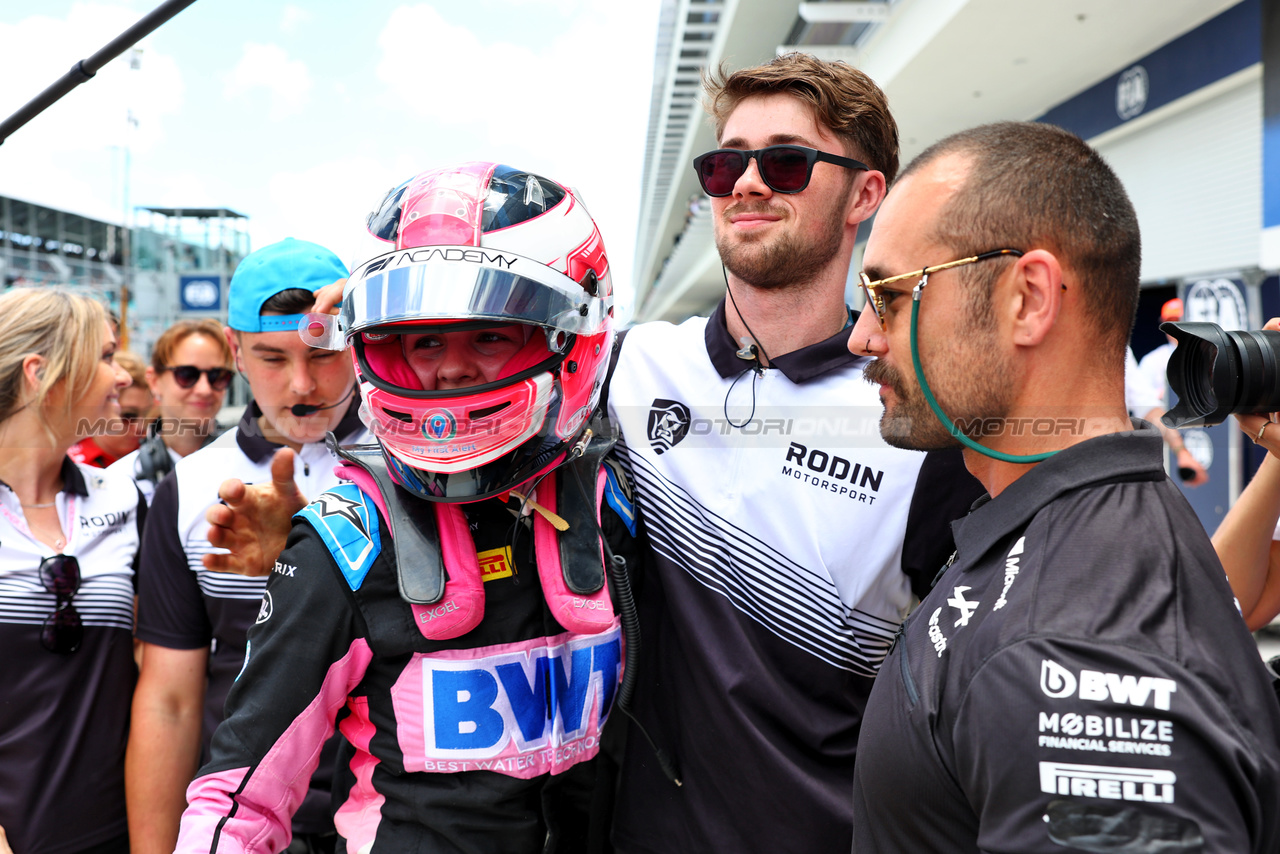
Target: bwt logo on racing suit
528	709
1057	681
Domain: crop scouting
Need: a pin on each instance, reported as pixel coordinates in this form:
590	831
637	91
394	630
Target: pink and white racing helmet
476	245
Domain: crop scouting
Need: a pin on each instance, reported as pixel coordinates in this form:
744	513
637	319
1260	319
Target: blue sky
301	114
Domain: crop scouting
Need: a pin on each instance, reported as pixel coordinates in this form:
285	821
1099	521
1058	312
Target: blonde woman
120	434
189	375
68	537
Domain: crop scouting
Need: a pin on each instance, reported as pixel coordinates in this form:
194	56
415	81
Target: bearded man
774	513
1079	678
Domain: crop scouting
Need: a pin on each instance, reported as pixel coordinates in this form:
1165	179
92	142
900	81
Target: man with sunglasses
776	574
1079	678
193	622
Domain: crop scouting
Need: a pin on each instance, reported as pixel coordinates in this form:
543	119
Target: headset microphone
302	410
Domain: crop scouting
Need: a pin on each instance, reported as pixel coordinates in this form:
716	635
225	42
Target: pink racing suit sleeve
305	654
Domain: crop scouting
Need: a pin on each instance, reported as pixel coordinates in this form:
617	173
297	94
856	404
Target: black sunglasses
62	630
783	168
186	376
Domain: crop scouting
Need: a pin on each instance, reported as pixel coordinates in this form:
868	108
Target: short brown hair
289	301
844	100
169	340
1035	186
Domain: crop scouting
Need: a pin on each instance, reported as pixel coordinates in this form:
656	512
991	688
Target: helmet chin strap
937	410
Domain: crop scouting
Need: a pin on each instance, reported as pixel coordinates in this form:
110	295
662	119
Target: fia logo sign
668	424
1131	92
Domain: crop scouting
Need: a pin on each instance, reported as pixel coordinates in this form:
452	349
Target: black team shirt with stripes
182	605
785	539
64	718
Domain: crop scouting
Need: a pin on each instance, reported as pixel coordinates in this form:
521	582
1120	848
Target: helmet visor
457	283
384	221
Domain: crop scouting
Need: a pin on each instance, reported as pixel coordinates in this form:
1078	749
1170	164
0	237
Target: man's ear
1038	293
233	341
868	192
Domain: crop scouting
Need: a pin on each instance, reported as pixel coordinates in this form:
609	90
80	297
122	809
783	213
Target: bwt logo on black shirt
668	424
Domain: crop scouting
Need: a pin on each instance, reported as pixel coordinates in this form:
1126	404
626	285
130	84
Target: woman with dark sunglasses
69	534
189	374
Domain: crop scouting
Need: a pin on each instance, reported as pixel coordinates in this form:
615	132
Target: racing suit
478	743
1079	679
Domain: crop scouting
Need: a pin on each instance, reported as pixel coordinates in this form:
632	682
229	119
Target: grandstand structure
173	263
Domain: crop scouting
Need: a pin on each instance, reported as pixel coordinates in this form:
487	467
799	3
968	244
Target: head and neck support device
437	569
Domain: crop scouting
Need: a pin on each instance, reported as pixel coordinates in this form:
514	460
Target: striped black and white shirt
182	605
777	522
64	717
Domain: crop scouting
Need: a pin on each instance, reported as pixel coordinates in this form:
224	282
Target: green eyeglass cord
942	416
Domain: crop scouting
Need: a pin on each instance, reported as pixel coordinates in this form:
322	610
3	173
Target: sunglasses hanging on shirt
62	630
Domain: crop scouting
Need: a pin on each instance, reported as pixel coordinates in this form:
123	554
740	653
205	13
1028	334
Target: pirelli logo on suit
495	563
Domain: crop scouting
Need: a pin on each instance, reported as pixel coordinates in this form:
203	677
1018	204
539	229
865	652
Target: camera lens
1215	373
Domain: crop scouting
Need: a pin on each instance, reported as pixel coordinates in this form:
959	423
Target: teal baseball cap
261	275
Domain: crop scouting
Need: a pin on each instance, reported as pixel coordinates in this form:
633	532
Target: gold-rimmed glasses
876	300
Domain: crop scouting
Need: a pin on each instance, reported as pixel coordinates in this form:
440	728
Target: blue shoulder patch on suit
619	498
347	521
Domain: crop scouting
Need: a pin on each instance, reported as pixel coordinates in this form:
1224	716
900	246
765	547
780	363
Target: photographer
1245	540
1146	392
